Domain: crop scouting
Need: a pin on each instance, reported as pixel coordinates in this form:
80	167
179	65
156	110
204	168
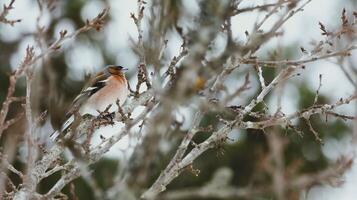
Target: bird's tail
66	124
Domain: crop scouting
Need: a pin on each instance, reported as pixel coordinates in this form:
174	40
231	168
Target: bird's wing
65	125
96	83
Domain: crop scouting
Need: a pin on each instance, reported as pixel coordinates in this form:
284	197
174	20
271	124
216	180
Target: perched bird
104	89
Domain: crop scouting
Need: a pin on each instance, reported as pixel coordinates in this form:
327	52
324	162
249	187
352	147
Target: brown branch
142	78
273	64
5	162
5	12
258	38
36	170
318	90
242	88
171	70
331	175
31	59
306	113
221	188
96	23
12	121
316	134
12	83
344	117
143	75
283	75
264	7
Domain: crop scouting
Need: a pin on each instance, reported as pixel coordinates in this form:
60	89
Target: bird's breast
115	89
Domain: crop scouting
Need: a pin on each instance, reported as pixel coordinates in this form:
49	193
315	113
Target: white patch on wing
65	125
103	81
89	89
106	96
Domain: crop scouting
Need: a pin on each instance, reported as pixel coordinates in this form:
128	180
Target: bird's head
116	70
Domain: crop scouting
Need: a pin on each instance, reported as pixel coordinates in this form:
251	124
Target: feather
105	87
65	125
90	89
94	86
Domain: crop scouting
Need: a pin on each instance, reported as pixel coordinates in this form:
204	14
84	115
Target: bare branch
342	53
5	12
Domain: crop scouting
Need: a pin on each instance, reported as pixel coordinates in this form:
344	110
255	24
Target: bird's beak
124	69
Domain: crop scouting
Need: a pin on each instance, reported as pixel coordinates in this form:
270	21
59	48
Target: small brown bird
104	89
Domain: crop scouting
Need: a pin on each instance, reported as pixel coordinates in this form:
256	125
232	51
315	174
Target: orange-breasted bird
104	89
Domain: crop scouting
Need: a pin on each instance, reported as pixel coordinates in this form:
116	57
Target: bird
102	92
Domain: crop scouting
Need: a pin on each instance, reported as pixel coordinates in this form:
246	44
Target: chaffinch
104	89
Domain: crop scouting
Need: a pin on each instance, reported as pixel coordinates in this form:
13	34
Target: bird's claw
105	118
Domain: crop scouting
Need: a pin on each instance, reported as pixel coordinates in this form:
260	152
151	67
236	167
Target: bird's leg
105	117
124	117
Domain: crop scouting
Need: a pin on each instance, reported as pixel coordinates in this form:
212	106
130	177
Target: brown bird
104	89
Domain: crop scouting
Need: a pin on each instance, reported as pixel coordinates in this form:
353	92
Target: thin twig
5	12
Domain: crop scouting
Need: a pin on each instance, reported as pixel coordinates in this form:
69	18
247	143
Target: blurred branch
219	187
257	38
179	163
31	59
97	23
343	53
12	121
143	76
283	75
171	70
5	12
9	166
173	171
331	175
306	114
72	169
35	171
11	89
264	7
